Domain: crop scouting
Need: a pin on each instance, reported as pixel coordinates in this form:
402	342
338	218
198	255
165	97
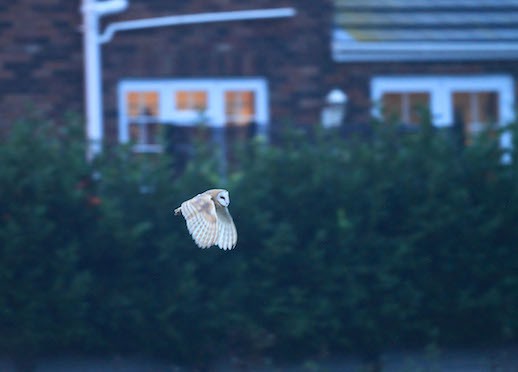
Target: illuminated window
191	100
142	103
405	108
145	106
144	130
239	107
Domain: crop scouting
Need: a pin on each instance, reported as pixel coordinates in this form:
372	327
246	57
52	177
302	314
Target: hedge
352	245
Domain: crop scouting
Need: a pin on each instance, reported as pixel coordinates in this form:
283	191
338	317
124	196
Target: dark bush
353	245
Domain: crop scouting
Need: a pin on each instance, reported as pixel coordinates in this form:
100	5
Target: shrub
345	245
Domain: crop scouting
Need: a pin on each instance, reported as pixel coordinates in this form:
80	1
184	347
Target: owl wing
227	233
200	215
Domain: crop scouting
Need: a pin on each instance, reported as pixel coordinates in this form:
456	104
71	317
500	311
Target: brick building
457	57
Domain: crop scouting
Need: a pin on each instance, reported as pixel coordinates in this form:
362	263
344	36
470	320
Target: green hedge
356	245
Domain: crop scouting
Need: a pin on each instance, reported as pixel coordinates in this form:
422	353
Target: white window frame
441	89
213	116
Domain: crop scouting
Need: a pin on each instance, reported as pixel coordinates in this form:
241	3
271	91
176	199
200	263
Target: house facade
458	58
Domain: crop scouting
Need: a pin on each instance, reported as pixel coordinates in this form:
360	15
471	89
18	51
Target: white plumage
208	219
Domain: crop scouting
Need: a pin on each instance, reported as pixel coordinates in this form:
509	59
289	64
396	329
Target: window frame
214	115
406	107
442	88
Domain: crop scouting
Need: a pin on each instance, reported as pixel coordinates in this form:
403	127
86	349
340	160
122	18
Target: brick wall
40	58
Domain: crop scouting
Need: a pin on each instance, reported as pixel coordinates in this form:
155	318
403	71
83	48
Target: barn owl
208	219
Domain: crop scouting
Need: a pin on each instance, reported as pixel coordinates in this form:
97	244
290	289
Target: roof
425	29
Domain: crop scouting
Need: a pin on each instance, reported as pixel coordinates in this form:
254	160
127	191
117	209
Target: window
404	107
191	100
239	107
475	111
475	102
145	106
142	109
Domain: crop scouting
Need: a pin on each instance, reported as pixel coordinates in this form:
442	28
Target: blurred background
369	148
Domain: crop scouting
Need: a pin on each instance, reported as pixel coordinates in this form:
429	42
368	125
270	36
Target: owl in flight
208	219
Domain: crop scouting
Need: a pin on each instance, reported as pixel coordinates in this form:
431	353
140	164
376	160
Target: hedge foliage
353	245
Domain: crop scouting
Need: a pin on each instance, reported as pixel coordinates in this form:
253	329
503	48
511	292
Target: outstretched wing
227	233
202	223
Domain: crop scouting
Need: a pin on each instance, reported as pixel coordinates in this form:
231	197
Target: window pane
132	100
475	111
488	107
134	131
142	103
462	108
150	103
145	132
191	100
405	108
419	103
239	107
392	106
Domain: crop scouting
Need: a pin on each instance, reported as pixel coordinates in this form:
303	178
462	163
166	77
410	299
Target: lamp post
92	10
335	107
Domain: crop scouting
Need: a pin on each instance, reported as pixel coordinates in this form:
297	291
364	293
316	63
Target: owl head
223	198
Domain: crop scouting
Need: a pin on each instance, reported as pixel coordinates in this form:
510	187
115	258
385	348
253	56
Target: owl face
223	198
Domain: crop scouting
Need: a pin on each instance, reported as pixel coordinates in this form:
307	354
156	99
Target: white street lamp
334	111
92	11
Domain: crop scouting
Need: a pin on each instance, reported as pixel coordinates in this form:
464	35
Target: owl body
208	220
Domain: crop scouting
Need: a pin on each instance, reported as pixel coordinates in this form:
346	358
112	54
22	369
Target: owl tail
177	211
